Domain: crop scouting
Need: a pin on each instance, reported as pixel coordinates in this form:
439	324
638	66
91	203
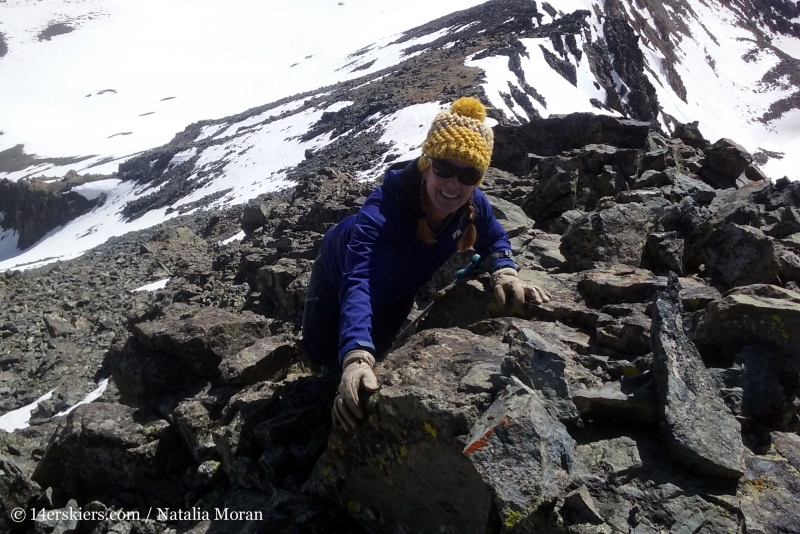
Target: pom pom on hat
460	134
469	107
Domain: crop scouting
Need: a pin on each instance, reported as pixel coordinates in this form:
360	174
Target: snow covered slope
127	75
328	82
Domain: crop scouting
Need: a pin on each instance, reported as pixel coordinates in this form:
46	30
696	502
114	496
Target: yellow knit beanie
460	134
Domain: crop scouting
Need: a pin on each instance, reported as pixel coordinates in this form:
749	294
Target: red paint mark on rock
483	441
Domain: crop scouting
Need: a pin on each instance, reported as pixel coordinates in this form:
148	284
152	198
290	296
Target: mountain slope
731	67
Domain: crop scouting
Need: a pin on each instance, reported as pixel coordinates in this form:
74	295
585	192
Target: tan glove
356	373
505	280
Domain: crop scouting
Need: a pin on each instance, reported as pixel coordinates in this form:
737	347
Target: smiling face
446	195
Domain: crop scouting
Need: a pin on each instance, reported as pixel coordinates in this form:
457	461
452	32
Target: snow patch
405	130
21	417
92	190
560	95
153	286
181	157
788	45
233	238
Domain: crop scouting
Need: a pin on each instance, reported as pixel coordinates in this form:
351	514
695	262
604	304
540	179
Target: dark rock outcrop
551	136
33	211
698	430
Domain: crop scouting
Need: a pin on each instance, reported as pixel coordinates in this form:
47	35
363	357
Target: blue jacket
376	260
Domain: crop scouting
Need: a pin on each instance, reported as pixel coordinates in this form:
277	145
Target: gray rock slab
266	359
16	491
768	496
193	422
696	294
523	453
697	428
613	235
542	365
788	446
738	255
283	286
579	506
619	283
511	217
630	400
614	457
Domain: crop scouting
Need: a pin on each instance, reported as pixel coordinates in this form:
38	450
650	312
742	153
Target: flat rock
619	283
768	495
696	294
696	426
266	359
629	400
555	134
615	458
200	337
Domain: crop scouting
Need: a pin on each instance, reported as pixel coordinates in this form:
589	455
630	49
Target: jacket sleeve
491	236
362	277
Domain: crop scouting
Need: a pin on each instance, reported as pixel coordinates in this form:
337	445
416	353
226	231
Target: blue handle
469	269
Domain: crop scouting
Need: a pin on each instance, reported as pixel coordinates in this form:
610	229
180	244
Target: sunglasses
444	169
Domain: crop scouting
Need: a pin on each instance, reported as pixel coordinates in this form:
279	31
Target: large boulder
109	451
754	315
283	286
266	359
726	163
740	255
628	400
509	215
613	235
619	283
199	338
768	493
698	430
555	192
142	374
452	442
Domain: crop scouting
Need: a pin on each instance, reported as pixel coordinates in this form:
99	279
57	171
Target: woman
372	264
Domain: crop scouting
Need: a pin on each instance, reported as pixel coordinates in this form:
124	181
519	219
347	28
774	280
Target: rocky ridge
658	390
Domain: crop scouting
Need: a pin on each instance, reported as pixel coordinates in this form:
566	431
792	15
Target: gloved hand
505	280
356	373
